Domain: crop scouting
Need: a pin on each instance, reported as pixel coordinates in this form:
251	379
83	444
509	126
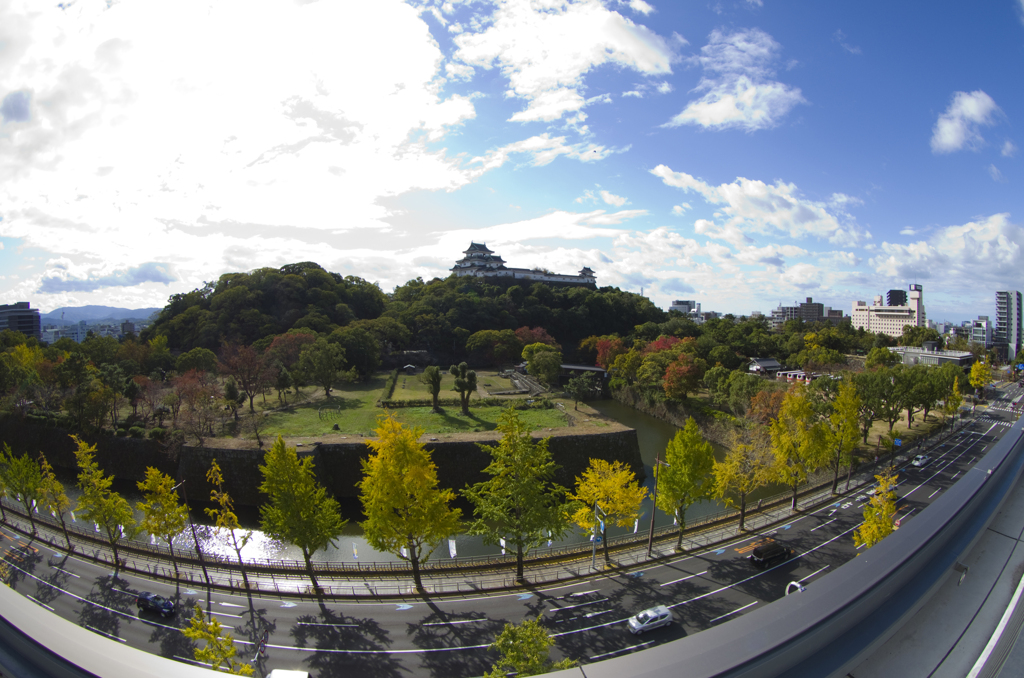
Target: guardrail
830	627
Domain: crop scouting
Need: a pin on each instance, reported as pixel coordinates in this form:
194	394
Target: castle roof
478	247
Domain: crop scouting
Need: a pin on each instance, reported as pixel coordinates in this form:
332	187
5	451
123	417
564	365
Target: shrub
389	385
120	433
158	433
137	432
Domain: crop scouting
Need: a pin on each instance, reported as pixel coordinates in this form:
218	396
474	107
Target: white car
921	460
650	619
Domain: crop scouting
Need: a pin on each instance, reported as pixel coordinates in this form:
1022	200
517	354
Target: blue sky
738	153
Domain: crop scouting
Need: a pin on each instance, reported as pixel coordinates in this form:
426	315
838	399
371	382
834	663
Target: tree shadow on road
440	631
345	646
106	605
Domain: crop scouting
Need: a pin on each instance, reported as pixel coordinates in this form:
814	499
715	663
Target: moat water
653	436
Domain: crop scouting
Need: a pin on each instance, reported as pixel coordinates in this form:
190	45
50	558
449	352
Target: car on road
921	460
153	603
650	618
769	554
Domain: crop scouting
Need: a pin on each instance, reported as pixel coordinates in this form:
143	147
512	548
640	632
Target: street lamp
654	506
597	522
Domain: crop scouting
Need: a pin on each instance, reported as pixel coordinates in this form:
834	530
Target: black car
770	554
154	603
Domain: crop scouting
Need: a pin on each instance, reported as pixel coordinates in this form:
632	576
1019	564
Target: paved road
448	637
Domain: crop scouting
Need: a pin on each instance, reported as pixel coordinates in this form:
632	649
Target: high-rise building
1008	322
891	320
20	318
981	331
808	311
896	298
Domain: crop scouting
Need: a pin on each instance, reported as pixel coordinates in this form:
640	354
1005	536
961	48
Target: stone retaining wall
338	465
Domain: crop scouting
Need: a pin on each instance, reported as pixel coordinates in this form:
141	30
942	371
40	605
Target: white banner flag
355	551
501	540
636	525
405	552
451	548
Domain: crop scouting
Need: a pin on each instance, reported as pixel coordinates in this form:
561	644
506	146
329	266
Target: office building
896	298
982	331
19	317
890	320
1007	334
809	311
686	307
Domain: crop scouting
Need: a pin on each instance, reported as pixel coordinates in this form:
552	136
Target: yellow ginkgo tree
608	489
878	512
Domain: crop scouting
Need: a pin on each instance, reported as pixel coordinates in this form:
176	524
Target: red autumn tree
682	376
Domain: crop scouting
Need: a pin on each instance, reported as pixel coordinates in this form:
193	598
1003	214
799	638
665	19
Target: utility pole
654	506
195	538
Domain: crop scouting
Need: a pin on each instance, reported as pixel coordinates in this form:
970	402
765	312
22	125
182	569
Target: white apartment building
890	319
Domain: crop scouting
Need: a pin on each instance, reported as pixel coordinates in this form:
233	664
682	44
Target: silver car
650	619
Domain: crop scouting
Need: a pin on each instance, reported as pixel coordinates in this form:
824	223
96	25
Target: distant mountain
74	314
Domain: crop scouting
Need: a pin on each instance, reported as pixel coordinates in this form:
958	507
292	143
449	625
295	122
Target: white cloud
802	276
983	252
738	85
840	37
1009	149
754	206
664	87
755	3
640	7
909	230
681	209
546	49
543	149
994	172
612	199
958	126
633	93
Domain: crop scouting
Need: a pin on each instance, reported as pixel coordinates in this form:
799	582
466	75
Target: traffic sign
898	442
263	643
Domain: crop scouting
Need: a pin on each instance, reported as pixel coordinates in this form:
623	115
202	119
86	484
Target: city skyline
741	154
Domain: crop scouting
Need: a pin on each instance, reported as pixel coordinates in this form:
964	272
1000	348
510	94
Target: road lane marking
61	569
729	614
934	493
824	524
690	576
39	602
104	633
325	624
225	614
573	607
460	621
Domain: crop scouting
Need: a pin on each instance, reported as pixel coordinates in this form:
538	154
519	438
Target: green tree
162	515
797	442
219	650
53	498
465	384
981	376
881	357
406	512
842	430
431	378
524	651
582	385
747	466
519	503
954	400
282	383
686	477
199	359
322	362
613	489
250	371
98	503
300	510
878	513
543	361
225	519
23	479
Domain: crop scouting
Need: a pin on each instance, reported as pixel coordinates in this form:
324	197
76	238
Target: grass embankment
352	408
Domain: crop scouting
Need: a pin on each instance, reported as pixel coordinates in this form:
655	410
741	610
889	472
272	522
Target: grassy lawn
409	386
352	408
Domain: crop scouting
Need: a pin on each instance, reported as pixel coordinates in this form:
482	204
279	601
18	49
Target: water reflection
652	435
